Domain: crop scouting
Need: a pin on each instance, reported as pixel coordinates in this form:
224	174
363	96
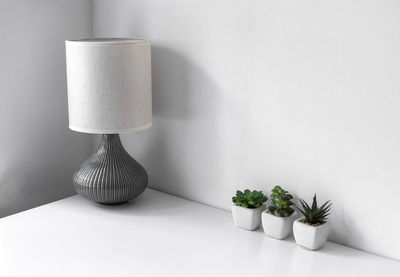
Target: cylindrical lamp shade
109	85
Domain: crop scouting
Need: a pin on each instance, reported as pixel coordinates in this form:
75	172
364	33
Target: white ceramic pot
310	237
277	227
246	218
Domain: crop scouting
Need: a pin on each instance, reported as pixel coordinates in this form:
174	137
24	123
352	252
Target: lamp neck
110	143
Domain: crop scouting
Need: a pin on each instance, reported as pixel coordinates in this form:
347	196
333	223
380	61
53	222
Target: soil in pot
308	223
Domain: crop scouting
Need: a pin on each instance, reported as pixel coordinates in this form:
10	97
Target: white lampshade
109	85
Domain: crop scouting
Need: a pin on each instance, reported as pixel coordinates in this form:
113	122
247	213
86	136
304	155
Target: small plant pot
310	237
277	227
246	218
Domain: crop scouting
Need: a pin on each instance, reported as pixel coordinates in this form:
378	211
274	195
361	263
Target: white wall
38	153
256	93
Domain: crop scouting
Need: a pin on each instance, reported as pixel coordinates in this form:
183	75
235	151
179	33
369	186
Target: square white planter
246	218
310	237
277	227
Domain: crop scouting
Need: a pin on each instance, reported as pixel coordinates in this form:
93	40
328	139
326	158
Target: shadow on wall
170	149
26	188
178	85
350	233
170	84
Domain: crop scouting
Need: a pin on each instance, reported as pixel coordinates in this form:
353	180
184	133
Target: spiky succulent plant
249	199
315	215
281	202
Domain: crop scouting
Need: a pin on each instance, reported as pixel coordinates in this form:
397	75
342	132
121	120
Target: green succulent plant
249	199
281	202
314	214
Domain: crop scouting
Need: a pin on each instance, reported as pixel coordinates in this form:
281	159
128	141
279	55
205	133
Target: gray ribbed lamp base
111	176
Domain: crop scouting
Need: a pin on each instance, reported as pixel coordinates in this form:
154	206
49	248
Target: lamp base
110	176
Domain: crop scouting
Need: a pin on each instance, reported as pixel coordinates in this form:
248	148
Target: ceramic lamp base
111	176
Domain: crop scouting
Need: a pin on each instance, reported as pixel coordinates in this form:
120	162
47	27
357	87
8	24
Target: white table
161	235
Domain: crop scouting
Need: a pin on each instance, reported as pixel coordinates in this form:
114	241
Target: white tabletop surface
161	235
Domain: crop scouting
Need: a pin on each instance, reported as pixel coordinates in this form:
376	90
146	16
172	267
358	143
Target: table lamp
109	92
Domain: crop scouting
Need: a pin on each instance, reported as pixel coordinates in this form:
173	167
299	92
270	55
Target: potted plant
277	221
247	208
312	230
